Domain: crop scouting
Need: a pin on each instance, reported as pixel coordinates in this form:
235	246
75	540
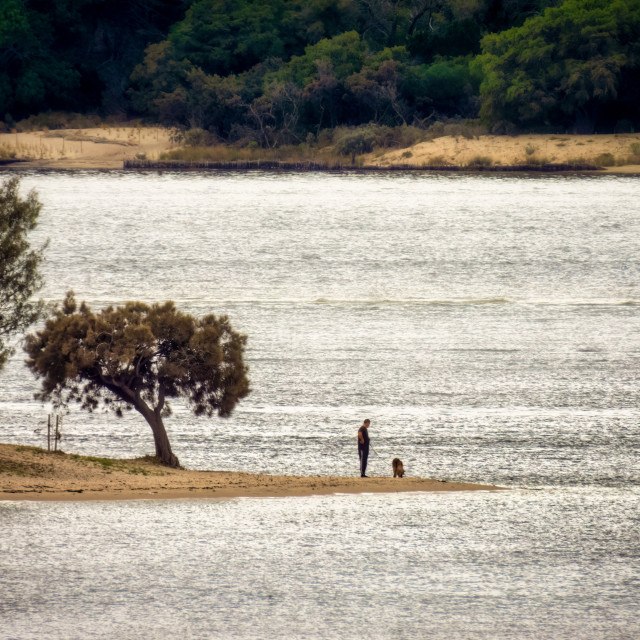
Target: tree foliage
280	71
576	65
75	54
139	356
19	276
31	79
315	74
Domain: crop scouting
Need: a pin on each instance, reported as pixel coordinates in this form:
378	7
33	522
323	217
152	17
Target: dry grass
535	161
437	161
36	461
254	154
7	152
97	147
147	465
454	144
478	162
512	151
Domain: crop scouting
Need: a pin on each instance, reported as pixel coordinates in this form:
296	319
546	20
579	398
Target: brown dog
398	467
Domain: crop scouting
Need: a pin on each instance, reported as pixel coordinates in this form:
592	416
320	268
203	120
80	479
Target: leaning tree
19	277
138	356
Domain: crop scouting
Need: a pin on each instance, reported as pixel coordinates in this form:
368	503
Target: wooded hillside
272	72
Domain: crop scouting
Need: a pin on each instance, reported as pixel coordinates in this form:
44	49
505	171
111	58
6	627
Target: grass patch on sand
146	466
13	468
21	460
38	450
24	467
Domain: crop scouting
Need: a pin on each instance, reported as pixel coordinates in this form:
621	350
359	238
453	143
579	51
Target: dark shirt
365	435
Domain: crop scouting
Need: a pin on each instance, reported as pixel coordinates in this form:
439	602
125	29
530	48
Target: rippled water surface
488	326
419	566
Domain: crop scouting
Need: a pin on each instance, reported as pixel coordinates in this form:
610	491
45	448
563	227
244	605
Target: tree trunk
163	447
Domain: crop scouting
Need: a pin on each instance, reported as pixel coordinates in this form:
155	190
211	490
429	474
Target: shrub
198	138
373	136
480	161
6	152
535	160
437	161
504	128
356	142
405	136
456	128
58	120
605	160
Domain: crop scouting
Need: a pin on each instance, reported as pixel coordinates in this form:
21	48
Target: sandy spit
30	473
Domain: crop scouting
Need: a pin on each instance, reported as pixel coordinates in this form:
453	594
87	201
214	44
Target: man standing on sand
363	446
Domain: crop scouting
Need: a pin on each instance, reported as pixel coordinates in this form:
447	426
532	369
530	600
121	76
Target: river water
489	327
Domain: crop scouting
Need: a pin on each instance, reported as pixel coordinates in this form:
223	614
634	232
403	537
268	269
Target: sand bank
109	147
520	150
29	473
91	148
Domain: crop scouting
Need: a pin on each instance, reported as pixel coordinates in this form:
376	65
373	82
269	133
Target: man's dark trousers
363	452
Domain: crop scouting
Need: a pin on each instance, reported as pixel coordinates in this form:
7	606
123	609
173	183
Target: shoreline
304	167
141	148
296	167
33	474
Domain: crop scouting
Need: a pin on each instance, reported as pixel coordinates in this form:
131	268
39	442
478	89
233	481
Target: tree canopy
575	65
139	356
75	54
19	275
280	71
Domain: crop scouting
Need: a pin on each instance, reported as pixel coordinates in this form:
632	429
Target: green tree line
281	71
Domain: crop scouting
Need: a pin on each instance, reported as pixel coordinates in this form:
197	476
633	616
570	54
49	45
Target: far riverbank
151	147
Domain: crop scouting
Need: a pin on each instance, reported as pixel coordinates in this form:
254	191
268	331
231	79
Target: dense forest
281	71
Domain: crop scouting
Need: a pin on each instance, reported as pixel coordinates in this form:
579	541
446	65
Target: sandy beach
30	473
108	148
